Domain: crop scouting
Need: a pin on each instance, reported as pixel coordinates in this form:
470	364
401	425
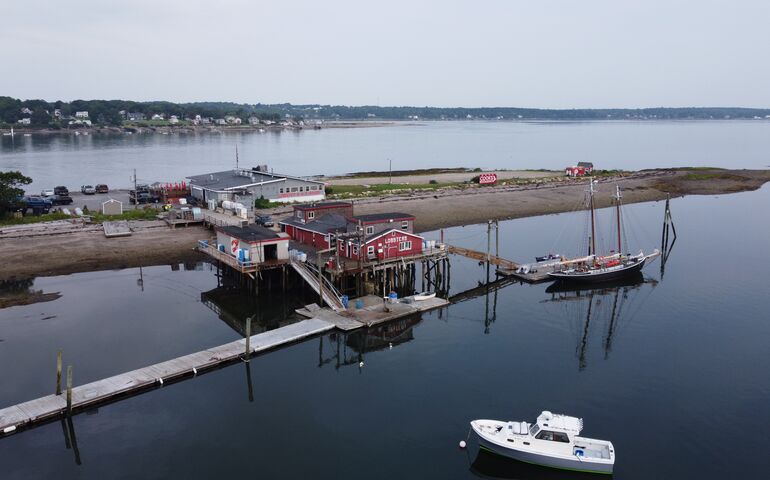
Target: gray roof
250	233
328	223
232	179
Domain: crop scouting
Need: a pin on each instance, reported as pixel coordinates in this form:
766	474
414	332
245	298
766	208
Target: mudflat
152	243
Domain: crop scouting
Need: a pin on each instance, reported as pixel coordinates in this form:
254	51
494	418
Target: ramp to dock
103	391
482	257
310	275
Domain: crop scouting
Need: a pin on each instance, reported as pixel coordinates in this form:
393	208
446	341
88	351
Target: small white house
25	121
112	207
26	111
173	119
81	114
158	116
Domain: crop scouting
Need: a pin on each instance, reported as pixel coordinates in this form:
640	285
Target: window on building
310	214
403	246
369	230
355	249
314	187
404	225
370	250
293	189
280	190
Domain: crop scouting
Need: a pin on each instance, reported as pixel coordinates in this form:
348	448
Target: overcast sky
530	53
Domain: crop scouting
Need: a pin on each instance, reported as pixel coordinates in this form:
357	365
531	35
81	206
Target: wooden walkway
103	391
482	257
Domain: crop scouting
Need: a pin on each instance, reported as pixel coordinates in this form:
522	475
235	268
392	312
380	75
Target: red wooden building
392	243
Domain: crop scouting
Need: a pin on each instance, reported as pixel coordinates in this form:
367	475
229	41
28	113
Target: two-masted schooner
594	268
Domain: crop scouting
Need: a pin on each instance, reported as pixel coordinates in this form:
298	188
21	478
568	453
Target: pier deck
373	312
482	257
109	389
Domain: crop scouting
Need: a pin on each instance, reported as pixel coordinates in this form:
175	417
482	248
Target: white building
81	114
25	121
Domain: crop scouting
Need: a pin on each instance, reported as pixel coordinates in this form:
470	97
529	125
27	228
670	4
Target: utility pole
136	194
236	156
390	171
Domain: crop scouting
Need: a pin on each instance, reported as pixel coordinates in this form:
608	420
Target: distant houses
81	115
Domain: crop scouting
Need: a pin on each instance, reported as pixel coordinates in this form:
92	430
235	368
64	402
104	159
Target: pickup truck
38	204
61	190
61	199
142	197
87	190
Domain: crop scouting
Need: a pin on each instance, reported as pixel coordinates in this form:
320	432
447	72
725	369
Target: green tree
9	189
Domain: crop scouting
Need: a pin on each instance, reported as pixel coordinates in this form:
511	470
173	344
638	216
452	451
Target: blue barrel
393	295
345	301
359	304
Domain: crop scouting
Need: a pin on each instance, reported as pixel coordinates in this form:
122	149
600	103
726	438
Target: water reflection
488	465
233	305
22	292
346	349
607	304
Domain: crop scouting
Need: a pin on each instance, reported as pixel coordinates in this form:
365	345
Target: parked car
61	190
61	199
87	190
142	197
102	188
48	192
265	220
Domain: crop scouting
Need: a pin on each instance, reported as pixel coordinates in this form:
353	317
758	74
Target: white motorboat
552	441
424	296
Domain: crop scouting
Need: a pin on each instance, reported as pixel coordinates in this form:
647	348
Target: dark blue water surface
672	368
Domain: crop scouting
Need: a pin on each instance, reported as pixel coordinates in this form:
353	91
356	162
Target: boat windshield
534	429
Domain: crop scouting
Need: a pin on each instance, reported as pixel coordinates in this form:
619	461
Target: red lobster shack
389	244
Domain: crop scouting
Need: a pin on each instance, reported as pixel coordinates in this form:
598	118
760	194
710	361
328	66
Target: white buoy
10	429
360	364
195	371
462	443
160	380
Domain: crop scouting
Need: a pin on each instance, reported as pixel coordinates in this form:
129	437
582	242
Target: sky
513	53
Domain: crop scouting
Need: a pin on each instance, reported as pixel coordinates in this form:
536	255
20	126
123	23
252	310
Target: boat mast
617	200
591	192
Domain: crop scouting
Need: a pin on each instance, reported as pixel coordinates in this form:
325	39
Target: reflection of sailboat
608	301
594	268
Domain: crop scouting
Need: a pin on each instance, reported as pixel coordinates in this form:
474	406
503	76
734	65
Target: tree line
107	112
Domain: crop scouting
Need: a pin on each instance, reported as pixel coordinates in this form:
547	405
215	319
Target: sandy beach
152	243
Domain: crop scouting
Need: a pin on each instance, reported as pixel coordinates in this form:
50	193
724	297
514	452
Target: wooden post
497	238
58	373
69	389
248	338
320	281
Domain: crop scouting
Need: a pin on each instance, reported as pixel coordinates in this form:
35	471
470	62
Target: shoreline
153	243
197	129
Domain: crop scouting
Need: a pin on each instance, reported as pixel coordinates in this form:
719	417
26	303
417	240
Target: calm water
672	369
73	161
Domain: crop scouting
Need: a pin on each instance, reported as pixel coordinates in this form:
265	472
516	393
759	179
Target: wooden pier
110	389
483	257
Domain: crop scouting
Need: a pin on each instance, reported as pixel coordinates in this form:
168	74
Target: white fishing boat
424	296
552	441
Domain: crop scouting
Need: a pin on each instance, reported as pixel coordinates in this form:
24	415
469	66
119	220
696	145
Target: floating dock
110	389
373	311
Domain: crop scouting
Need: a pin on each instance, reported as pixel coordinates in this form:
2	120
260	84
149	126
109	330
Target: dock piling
69	389
248	338
58	373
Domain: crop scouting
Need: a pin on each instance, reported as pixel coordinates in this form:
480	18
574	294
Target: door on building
271	252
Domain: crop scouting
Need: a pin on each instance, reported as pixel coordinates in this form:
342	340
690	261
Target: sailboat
596	269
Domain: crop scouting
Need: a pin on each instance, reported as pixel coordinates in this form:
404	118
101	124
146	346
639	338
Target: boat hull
545	460
600	276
